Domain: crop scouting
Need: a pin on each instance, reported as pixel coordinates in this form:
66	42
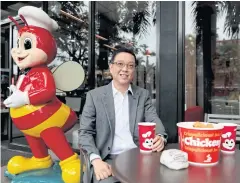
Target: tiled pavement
3	179
6	154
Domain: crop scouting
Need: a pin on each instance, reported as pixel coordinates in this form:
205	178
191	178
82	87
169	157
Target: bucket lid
189	125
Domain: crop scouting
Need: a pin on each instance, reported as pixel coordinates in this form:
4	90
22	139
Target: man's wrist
164	139
95	161
94	157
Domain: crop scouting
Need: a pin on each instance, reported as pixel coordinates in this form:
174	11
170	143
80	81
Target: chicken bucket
203	144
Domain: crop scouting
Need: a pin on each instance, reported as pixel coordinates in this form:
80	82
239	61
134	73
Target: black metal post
45	6
207	57
91	45
181	60
170	65
10	79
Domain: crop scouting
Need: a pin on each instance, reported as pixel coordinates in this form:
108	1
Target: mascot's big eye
27	43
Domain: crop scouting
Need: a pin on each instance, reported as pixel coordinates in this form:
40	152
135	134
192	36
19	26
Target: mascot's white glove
17	99
174	159
12	88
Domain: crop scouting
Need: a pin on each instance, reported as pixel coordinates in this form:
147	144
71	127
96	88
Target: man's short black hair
122	49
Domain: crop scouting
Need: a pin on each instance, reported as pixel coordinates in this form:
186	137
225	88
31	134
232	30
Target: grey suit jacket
97	124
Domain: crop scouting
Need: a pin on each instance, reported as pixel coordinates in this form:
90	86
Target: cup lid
146	124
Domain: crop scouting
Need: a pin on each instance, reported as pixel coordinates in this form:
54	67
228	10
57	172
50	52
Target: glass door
5	73
213	56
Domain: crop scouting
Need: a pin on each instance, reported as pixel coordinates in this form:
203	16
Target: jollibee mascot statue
34	107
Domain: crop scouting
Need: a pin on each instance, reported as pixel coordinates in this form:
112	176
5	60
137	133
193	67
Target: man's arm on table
151	116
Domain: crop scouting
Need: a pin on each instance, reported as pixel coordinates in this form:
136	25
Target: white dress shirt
123	139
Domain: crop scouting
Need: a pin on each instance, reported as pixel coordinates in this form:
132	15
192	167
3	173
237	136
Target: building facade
188	55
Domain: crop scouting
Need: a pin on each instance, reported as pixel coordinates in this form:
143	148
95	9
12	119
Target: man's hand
158	143
102	169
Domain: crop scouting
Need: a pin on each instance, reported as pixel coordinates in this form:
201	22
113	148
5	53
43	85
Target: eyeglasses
122	65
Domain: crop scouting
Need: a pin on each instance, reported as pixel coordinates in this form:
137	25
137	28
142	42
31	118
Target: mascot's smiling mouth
22	58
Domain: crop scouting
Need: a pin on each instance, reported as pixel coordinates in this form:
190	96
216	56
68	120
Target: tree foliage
202	10
72	37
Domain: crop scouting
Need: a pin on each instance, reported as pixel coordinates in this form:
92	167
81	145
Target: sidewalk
6	155
4	179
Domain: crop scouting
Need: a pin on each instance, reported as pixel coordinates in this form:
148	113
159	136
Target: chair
74	103
194	114
85	165
221	118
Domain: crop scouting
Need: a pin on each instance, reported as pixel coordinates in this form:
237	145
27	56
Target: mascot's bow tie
24	71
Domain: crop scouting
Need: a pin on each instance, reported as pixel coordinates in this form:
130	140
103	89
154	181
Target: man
109	119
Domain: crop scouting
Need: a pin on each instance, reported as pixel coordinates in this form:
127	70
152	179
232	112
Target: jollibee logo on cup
148	141
227	142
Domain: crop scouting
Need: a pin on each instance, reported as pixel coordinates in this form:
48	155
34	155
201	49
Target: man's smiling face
122	68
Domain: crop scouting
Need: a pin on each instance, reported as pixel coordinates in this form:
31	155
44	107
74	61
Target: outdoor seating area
150	90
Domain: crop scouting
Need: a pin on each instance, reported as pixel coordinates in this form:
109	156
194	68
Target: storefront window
130	24
72	36
212	56
4	78
72	42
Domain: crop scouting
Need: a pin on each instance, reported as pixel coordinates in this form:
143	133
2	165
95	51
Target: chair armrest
85	160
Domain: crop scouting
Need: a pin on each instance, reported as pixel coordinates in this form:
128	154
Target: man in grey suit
109	119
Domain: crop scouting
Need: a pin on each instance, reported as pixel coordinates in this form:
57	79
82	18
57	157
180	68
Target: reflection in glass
130	24
213	56
72	36
72	42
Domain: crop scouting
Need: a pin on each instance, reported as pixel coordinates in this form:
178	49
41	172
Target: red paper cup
201	144
146	135
228	143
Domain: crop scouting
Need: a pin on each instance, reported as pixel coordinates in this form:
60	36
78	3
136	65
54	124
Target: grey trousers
107	180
